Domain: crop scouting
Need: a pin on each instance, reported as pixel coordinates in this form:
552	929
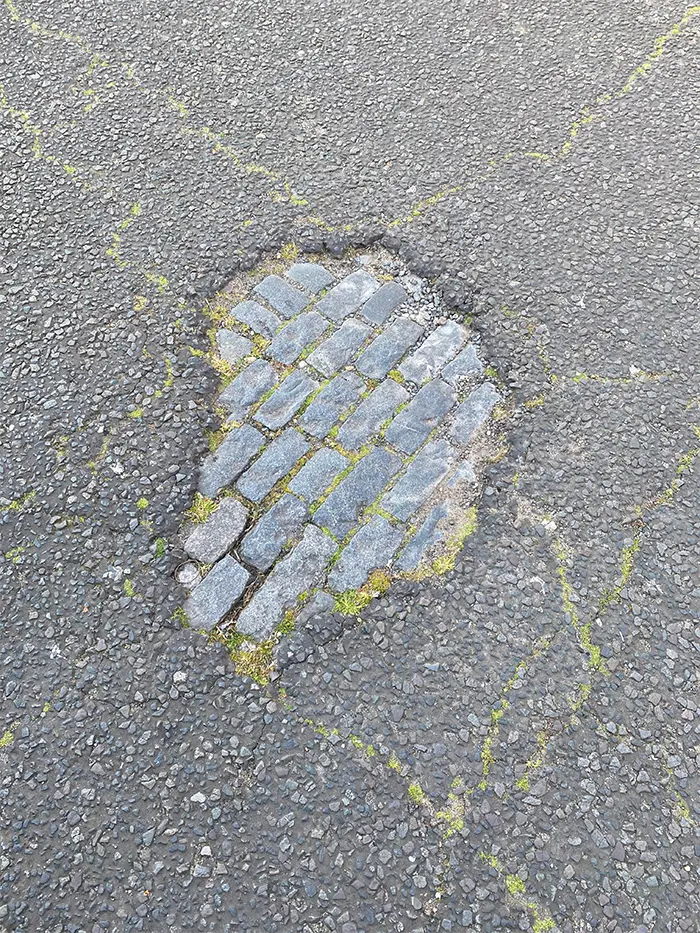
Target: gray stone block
296	336
320	604
256	317
330	403
283	297
359	489
370	549
340	348
247	388
464	475
371	413
301	570
206	543
427	535
274	530
217	594
283	404
348	295
272	465
422	475
387	349
229	460
232	347
312	276
473	412
411	427
383	302
466	365
314	478
435	351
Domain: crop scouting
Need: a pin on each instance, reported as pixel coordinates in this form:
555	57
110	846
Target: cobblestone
274	463
286	401
388	348
347	296
371	548
340	348
473	412
325	410
312	276
247	388
357	490
277	527
411	427
209	541
421	477
256	317
284	298
296	336
232	347
384	302
426	537
465	365
436	350
217	594
371	413
318	473
228	461
300	571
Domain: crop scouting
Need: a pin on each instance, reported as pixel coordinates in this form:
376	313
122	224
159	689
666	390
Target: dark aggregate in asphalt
143	783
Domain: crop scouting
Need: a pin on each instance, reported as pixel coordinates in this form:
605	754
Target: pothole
357	417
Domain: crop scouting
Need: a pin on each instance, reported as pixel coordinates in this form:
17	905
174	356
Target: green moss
136	414
142	503
7	738
129	588
180	616
161	545
18	504
394	763
416	794
201	509
515	885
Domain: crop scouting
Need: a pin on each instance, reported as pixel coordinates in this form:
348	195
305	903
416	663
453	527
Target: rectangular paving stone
422	475
286	401
303	569
359	489
232	347
340	348
383	302
414	423
371	413
435	351
228	461
247	388
312	276
387	349
370	549
263	543
217	594
272	465
348	295
427	535
330	403
314	478
463	366
283	297
295	337
473	412
207	542
256	317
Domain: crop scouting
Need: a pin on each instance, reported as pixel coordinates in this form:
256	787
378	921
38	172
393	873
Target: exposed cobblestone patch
365	424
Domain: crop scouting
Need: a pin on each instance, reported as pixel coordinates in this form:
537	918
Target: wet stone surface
350	442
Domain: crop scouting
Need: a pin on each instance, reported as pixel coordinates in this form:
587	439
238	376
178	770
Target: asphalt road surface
514	747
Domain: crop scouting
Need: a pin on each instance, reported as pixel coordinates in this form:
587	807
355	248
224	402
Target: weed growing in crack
201	509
